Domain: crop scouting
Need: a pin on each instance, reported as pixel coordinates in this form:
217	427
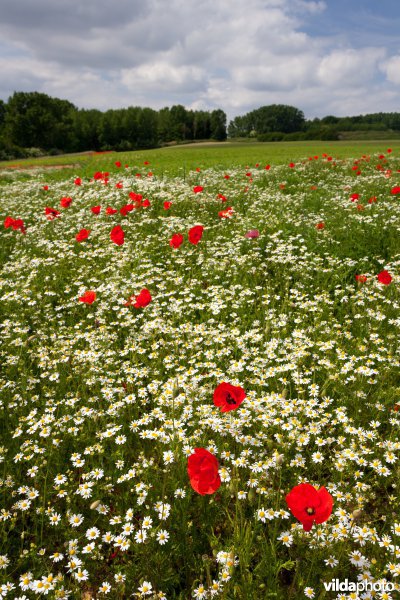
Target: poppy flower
354	197
19	224
88	297
395	190
176	240
118	164
384	277
82	235
126	209
141	300
46	188
167	205
292	165
15	224
146	203
110	210
96	209
267	167
361	278
203	473
227	213
119	185
117	235
227	176
320	225
309	505
65	202
228	396
197	189
8	221
135	197
253	233
51	213
78	181
221	197
195	234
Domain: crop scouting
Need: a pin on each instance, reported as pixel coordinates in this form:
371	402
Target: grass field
283	283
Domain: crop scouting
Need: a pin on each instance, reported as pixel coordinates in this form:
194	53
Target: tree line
281	122
33	123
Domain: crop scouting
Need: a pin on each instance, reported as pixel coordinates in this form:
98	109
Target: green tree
218	125
37	120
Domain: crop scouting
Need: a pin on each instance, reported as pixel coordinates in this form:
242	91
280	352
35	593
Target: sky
325	57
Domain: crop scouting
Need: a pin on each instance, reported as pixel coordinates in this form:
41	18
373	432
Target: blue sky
323	56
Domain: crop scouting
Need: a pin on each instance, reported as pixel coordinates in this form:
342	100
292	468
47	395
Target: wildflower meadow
199	380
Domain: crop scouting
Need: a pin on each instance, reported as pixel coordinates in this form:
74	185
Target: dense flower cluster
187	388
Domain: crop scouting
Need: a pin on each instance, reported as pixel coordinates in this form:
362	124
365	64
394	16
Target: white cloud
203	53
392	69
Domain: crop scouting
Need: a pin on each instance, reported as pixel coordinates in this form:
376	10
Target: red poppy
222	197
78	181
372	200
395	190
195	234
96	209
227	213
65	202
15	224
176	240
309	505
117	235
119	185
389	150
98	175
253	233
141	300
320	225
135	197
88	297
8	222
354	197
203	473
267	167
384	277
19	224
51	213
197	189
110	210
82	235
292	165
167	205
146	202
228	396
360	206
45	187
361	278
227	176
126	209
118	164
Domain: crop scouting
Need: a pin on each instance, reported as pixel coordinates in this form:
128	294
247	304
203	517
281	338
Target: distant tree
218	125
37	120
85	127
201	125
278	117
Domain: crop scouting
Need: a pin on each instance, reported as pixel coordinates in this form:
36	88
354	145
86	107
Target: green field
176	160
107	391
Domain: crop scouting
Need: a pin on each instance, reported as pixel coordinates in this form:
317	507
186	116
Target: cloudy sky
338	57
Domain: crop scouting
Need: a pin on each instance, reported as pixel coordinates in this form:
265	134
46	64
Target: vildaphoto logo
337	585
